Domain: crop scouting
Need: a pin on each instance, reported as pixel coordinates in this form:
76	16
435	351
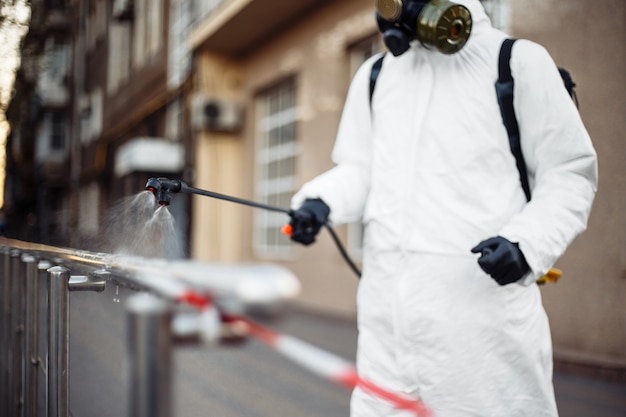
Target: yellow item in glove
553	275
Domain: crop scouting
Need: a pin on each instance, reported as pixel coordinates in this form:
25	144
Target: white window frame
268	241
147	31
119	55
179	51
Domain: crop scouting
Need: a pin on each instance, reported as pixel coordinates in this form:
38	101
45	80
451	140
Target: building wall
585	307
216	233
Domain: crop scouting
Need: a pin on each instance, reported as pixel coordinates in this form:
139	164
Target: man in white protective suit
448	306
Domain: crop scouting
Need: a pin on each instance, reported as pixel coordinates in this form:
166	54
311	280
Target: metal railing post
16	372
30	333
149	347
58	342
42	337
5	357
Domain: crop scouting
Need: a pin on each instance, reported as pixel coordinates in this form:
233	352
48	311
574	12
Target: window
179	52
57	130
119	54
147	31
275	161
56	61
96	23
91	116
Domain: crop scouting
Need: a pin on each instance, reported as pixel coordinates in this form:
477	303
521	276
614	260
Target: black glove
307	221
502	259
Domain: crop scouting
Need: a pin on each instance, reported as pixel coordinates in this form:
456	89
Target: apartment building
38	149
128	106
103	112
244	97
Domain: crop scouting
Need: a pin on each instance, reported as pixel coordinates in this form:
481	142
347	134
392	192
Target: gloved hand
502	259
307	221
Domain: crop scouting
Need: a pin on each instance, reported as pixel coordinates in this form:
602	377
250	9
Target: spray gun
162	188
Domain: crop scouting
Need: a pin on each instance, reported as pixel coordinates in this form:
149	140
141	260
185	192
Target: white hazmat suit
430	172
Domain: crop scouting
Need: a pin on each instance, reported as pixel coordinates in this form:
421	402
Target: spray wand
162	188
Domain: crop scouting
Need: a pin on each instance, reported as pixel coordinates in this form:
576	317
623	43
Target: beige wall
587	308
217	225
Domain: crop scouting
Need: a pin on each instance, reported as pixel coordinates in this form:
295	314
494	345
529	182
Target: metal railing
28	270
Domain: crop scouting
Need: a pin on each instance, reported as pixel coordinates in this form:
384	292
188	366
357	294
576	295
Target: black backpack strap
569	83
504	91
374	75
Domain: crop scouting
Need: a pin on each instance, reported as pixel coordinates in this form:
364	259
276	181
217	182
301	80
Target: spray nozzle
162	189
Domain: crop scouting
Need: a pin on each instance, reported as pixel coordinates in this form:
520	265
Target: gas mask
441	24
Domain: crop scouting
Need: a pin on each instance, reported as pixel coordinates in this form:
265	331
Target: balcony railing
28	270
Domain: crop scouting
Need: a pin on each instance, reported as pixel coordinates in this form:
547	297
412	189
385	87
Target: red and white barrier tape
314	359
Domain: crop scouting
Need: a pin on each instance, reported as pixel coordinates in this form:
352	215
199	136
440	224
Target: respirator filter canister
441	24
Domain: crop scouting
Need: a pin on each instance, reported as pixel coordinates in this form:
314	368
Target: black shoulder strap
569	83
374	75
504	91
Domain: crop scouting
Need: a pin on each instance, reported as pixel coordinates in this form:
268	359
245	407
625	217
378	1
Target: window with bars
276	165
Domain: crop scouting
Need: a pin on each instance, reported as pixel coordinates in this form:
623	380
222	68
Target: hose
343	251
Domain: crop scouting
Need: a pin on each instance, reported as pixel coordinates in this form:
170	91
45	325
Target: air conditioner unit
123	9
216	115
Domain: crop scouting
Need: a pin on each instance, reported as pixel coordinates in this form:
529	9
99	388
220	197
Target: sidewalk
250	379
